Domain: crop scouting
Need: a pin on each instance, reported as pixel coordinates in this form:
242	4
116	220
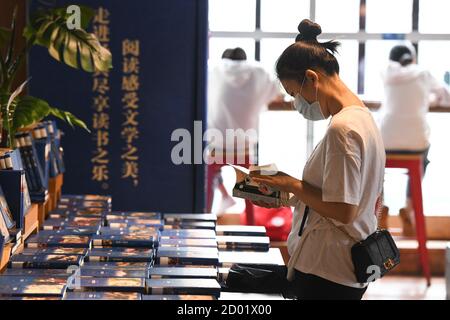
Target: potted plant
76	48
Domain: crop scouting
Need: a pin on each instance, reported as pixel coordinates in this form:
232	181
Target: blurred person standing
238	92
409	91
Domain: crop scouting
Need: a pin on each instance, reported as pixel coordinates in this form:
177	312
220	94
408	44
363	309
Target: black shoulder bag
377	254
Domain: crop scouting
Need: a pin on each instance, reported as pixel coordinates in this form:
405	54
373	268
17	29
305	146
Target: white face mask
310	111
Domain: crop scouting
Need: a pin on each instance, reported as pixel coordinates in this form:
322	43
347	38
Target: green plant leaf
30	110
76	48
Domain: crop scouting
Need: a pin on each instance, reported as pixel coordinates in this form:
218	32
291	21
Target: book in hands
246	188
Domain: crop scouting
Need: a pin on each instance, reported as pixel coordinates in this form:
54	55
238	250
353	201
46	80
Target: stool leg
249	213
416	192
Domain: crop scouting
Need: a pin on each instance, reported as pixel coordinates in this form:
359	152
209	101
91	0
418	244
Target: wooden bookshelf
5	256
31	221
42	212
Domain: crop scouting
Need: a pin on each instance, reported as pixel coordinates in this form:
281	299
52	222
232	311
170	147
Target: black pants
311	287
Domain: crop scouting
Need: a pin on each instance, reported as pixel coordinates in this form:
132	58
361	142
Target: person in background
409	91
238	92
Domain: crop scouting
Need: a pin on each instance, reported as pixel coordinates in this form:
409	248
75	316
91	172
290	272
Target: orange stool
413	162
214	169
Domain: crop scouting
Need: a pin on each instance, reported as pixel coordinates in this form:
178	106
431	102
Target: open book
246	188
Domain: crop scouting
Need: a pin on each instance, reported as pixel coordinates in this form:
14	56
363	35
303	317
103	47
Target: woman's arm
309	195
312	197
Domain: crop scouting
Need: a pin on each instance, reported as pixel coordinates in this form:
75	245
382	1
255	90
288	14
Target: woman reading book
343	178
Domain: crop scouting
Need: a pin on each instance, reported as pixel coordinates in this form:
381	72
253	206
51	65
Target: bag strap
305	216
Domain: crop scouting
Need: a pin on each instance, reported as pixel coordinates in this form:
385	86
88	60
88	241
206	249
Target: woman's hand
280	181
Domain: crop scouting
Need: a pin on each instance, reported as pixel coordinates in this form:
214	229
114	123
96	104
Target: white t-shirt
409	91
238	91
348	166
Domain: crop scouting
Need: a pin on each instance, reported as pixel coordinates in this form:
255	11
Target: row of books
88	251
24	174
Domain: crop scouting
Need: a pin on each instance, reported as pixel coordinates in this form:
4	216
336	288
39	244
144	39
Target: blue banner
157	85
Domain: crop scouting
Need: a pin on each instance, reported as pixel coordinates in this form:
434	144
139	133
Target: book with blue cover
6	213
188	233
131	265
190	225
121	255
182	272
16	194
112	284
185	257
102	296
55	250
187	242
66	241
113	273
149	240
51	261
184	287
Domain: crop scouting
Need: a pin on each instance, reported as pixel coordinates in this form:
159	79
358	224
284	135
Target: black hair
307	53
402	54
237	54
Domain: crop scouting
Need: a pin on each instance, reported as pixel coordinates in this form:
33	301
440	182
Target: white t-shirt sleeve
342	167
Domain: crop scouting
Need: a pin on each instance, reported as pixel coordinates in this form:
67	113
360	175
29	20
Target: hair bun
309	30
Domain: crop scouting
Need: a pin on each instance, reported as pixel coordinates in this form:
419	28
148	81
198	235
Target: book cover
188	242
133	215
5	212
207	250
45	261
132	230
102	296
182	272
133	240
169	257
113	273
124	222
87	197
55	250
121	255
243	243
188	233
76	222
240	230
180	217
112	284
183	287
34	290
85	231
190	225
246	188
66	241
59	273
118	265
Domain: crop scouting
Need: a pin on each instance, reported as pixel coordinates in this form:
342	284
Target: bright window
283	15
433	16
388	16
232	15
338	16
434	56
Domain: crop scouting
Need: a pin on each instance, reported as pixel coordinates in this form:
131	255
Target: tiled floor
406	288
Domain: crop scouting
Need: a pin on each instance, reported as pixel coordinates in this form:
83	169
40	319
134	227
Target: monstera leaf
74	47
29	110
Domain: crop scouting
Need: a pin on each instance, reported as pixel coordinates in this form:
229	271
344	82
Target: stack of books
45	268
89	252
